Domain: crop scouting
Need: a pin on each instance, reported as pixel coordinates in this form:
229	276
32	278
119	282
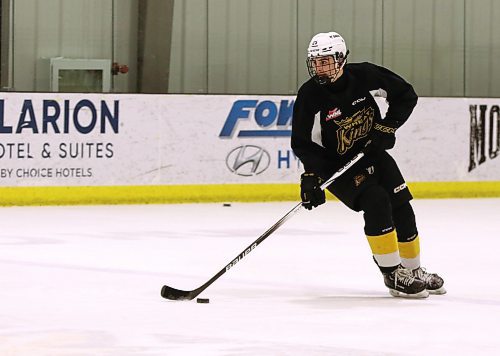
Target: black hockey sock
377	210
379	229
404	221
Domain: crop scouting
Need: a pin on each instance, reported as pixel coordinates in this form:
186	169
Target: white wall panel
52	28
443	47
424	42
252	46
482	48
188	56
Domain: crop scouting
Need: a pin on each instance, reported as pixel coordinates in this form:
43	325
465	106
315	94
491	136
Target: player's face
326	67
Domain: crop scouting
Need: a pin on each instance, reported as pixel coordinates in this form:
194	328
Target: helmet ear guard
341	57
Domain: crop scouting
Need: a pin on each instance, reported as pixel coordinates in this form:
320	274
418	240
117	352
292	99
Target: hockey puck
226	204
203	300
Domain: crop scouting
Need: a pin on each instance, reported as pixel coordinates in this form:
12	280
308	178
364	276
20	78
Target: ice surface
86	281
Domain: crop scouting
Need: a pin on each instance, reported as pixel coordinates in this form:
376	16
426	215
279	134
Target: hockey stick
177	294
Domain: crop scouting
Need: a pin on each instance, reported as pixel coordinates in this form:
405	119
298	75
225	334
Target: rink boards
120	148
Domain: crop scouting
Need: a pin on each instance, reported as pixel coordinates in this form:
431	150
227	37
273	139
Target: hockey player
338	96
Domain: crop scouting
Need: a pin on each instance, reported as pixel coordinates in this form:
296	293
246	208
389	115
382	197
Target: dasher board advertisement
52	139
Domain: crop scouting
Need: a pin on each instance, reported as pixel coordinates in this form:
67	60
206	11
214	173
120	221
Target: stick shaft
177	294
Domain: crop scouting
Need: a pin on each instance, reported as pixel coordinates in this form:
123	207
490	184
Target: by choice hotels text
66	172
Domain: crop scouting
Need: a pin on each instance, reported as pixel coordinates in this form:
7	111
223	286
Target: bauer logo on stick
237	259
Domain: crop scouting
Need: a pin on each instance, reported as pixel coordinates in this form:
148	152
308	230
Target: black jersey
347	113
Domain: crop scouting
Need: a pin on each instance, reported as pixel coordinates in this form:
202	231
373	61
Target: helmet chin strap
323	79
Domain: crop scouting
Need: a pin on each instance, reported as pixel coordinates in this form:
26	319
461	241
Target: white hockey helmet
326	44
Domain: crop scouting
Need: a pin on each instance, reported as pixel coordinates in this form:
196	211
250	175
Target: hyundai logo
248	160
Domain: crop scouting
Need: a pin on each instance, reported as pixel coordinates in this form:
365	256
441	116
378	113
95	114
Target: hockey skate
402	283
433	282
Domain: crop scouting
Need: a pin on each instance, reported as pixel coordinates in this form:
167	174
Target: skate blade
419	295
439	291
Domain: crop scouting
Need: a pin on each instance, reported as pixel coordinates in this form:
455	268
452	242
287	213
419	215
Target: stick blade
176	294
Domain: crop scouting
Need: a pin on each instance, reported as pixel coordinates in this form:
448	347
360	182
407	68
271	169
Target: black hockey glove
310	190
382	138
